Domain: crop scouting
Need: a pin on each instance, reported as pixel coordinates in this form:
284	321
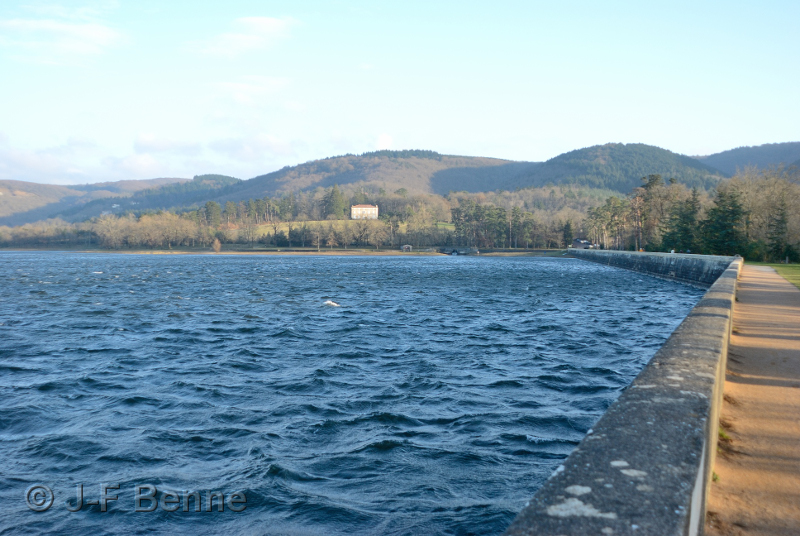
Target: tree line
755	214
167	230
272	222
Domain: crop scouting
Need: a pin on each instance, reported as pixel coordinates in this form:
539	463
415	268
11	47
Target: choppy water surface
435	400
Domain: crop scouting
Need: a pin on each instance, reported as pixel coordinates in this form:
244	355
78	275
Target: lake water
435	399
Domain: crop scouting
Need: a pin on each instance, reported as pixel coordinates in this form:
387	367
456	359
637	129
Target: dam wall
701	270
646	466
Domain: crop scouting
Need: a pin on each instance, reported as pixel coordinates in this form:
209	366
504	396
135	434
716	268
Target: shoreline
289	251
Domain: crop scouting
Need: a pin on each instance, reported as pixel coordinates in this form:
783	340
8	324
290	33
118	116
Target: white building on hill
364	212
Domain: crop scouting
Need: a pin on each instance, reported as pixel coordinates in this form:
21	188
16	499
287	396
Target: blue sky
118	89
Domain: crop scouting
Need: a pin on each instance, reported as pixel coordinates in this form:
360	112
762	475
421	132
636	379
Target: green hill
761	156
611	167
128	187
187	193
416	171
620	167
614	166
39	201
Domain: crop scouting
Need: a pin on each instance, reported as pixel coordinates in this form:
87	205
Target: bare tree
376	233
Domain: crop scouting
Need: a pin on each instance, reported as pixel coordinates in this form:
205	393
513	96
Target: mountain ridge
616	167
760	156
31	196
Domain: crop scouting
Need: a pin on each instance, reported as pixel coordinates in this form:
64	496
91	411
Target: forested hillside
612	167
20	196
755	214
78	203
760	156
620	167
188	193
129	186
22	202
415	171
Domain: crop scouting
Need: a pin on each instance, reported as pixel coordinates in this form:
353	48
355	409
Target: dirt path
758	489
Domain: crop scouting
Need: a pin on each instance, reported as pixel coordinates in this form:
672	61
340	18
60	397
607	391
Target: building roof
364	206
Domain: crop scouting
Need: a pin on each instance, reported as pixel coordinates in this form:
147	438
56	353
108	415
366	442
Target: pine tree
252	210
335	204
722	228
777	230
230	212
567	234
213	213
681	230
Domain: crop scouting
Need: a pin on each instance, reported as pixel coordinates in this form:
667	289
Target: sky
105	90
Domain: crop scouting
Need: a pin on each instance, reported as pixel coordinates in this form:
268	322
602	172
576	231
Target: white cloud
150	143
55	41
75	146
255	148
139	165
77	161
251	33
91	10
253	89
37	166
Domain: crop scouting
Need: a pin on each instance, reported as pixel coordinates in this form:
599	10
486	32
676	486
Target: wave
429	407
